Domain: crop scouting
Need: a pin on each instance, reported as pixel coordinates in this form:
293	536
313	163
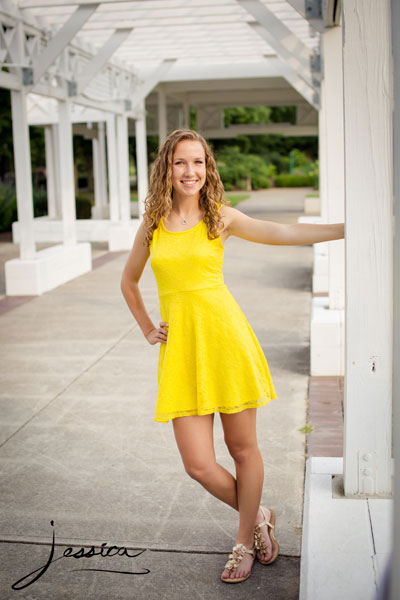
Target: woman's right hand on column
159	334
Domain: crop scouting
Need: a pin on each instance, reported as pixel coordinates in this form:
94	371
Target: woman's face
188	168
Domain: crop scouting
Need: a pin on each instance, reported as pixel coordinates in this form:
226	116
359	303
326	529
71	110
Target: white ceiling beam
287	45
228	98
150	83
308	92
10	81
62	38
289	58
51	3
100	59
286	129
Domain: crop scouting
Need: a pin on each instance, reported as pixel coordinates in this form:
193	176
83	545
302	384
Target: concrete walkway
79	446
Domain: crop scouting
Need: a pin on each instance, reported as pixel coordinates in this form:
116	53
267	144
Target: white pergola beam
152	81
62	38
100	59
289	47
305	90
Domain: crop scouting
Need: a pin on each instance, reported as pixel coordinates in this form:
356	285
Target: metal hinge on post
27	76
313	9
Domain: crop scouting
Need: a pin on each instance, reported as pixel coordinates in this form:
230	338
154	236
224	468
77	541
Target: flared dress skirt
212	360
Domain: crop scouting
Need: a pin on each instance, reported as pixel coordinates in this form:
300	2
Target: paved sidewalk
79	447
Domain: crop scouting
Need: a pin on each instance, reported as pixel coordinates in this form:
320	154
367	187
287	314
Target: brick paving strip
325	414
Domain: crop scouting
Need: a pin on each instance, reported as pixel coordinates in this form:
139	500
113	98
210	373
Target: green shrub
8	207
294	180
83	208
235	168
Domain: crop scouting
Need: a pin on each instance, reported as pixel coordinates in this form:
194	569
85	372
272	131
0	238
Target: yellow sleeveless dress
212	360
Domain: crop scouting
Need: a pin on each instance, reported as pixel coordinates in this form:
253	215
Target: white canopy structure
118	66
109	65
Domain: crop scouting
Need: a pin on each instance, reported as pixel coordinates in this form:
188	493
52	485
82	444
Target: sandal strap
235	558
259	538
264	522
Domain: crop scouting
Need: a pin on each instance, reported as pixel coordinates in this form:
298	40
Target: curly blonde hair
158	201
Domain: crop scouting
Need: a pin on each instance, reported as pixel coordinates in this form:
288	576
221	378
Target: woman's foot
244	561
264	535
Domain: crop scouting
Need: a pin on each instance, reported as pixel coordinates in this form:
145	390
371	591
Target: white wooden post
50	173
23	174
123	168
332	53
395	571
162	114
141	158
113	190
66	173
186	114
369	246
327	316
322	154
99	171
320	275
56	162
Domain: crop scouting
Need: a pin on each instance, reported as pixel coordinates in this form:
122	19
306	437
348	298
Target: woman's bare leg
194	437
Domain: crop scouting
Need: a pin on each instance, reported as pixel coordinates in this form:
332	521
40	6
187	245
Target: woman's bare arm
269	232
130	281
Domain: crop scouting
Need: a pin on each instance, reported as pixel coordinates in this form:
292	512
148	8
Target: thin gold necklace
184	220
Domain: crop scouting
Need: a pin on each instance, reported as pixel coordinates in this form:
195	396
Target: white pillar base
312	205
320	281
346	541
309	219
326	338
122	235
101	211
50	268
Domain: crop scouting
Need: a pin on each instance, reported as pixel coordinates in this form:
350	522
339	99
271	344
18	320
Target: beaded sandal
259	540
234	561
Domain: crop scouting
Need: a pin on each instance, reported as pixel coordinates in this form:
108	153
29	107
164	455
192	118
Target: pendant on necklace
183	222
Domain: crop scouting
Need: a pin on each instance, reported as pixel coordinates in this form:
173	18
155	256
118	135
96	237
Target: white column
162	114
141	158
186	114
113	191
56	162
38	272
66	173
99	211
327	323
322	153
332	53
123	168
367	83
23	174
50	173
320	275
395	572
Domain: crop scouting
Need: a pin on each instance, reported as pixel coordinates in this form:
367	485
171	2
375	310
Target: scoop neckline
185	231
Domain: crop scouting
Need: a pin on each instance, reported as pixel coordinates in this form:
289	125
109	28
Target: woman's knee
243	453
199	470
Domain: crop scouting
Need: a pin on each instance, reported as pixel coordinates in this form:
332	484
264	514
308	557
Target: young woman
210	359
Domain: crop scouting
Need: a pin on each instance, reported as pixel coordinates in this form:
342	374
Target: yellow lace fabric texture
212	360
